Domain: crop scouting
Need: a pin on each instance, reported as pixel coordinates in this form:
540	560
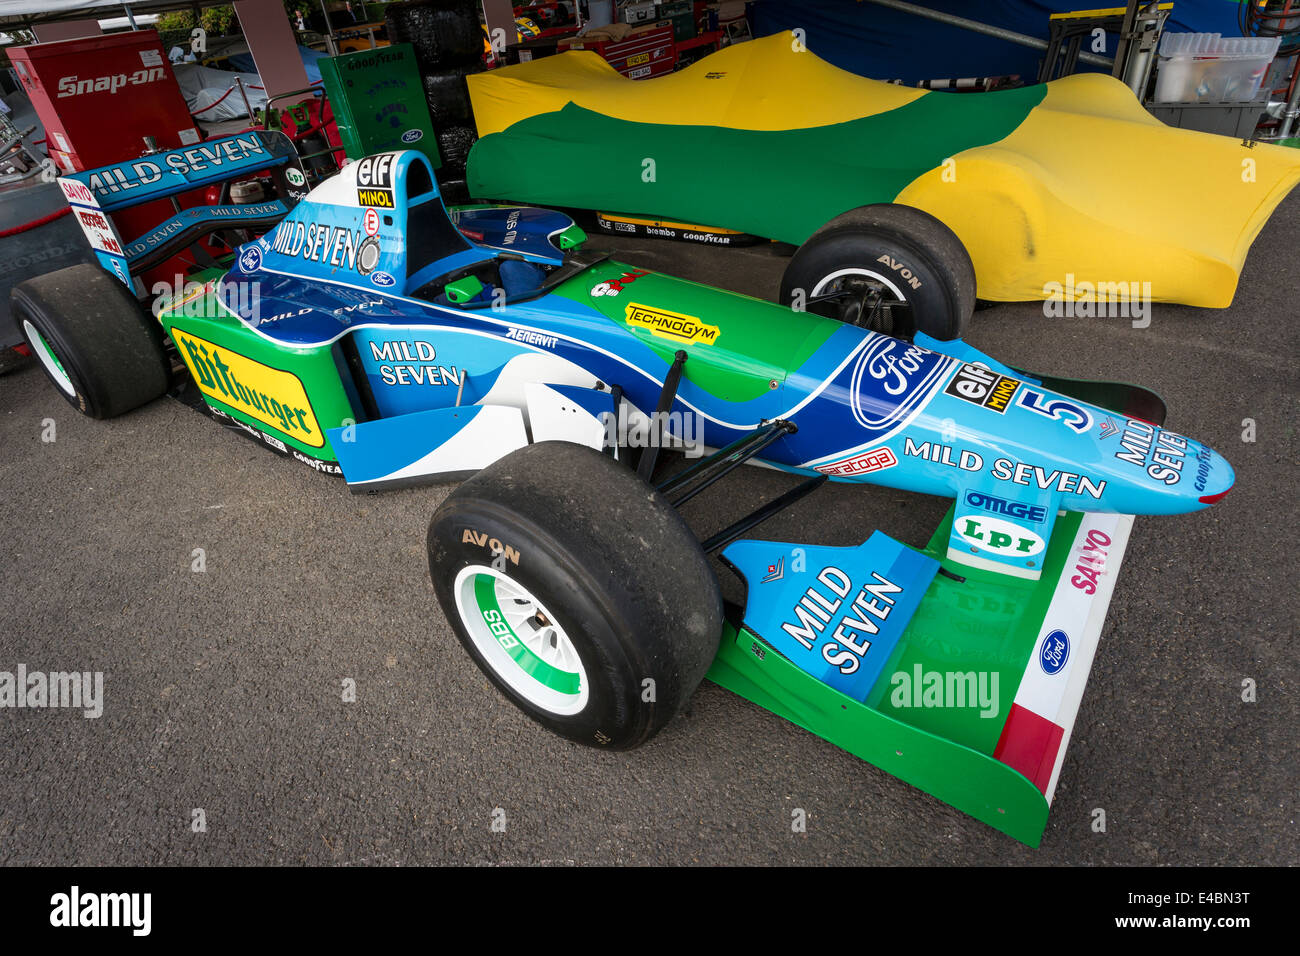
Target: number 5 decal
1072	415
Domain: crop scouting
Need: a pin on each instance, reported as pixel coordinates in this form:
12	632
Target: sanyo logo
72	86
1000	537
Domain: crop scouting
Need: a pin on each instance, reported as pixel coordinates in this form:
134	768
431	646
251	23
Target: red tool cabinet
98	97
643	54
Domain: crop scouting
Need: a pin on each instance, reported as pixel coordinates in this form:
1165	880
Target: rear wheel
95	343
860	263
578	590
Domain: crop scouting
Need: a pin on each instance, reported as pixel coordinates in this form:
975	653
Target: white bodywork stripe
1056	697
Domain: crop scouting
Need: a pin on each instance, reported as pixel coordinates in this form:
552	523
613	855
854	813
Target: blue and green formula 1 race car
372	333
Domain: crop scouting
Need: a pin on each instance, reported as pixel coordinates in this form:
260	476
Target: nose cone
1161	472
1211	475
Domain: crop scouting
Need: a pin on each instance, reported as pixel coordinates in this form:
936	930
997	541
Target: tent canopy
22	14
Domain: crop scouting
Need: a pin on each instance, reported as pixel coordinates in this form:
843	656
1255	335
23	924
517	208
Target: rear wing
97	194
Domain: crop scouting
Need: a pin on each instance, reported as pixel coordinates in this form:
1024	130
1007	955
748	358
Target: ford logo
413	136
1054	652
382	279
250	260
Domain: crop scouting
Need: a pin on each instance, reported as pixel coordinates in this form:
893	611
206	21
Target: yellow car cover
1053	188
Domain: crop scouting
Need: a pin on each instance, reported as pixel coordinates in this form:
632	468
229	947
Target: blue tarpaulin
886	44
244	62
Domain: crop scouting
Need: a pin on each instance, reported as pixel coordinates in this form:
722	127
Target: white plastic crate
1212	68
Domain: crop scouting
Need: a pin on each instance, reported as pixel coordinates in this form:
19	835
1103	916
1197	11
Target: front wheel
578	590
860	264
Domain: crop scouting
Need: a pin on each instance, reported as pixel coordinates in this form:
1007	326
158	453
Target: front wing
974	701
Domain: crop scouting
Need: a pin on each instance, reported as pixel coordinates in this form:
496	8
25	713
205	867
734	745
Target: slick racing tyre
444	33
448	96
902	253
578	590
454	144
96	345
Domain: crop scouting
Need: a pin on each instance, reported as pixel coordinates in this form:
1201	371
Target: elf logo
375	180
74	86
1000	537
903	271
980	386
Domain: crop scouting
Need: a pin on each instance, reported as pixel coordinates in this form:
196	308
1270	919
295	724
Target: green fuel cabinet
378	102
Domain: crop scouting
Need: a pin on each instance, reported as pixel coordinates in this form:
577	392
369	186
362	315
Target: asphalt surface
223	689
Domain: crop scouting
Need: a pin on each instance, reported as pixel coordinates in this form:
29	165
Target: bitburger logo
671	325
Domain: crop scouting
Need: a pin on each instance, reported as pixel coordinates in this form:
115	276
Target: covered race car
1063	189
374	334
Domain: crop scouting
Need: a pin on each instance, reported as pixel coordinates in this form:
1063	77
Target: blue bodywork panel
360	268
837	613
95	194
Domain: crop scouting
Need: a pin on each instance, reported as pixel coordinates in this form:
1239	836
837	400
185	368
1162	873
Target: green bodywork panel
572	237
744	345
463	290
292	394
984	623
780	184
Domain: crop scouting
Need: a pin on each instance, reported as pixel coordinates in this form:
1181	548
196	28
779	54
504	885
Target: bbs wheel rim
53	367
521	641
837	280
857	282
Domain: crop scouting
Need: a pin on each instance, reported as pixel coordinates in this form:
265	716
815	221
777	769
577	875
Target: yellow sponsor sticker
273	397
671	325
381	198
1000	398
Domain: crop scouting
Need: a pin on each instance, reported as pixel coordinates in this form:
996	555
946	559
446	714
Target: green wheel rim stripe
485	594
54	356
45	354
